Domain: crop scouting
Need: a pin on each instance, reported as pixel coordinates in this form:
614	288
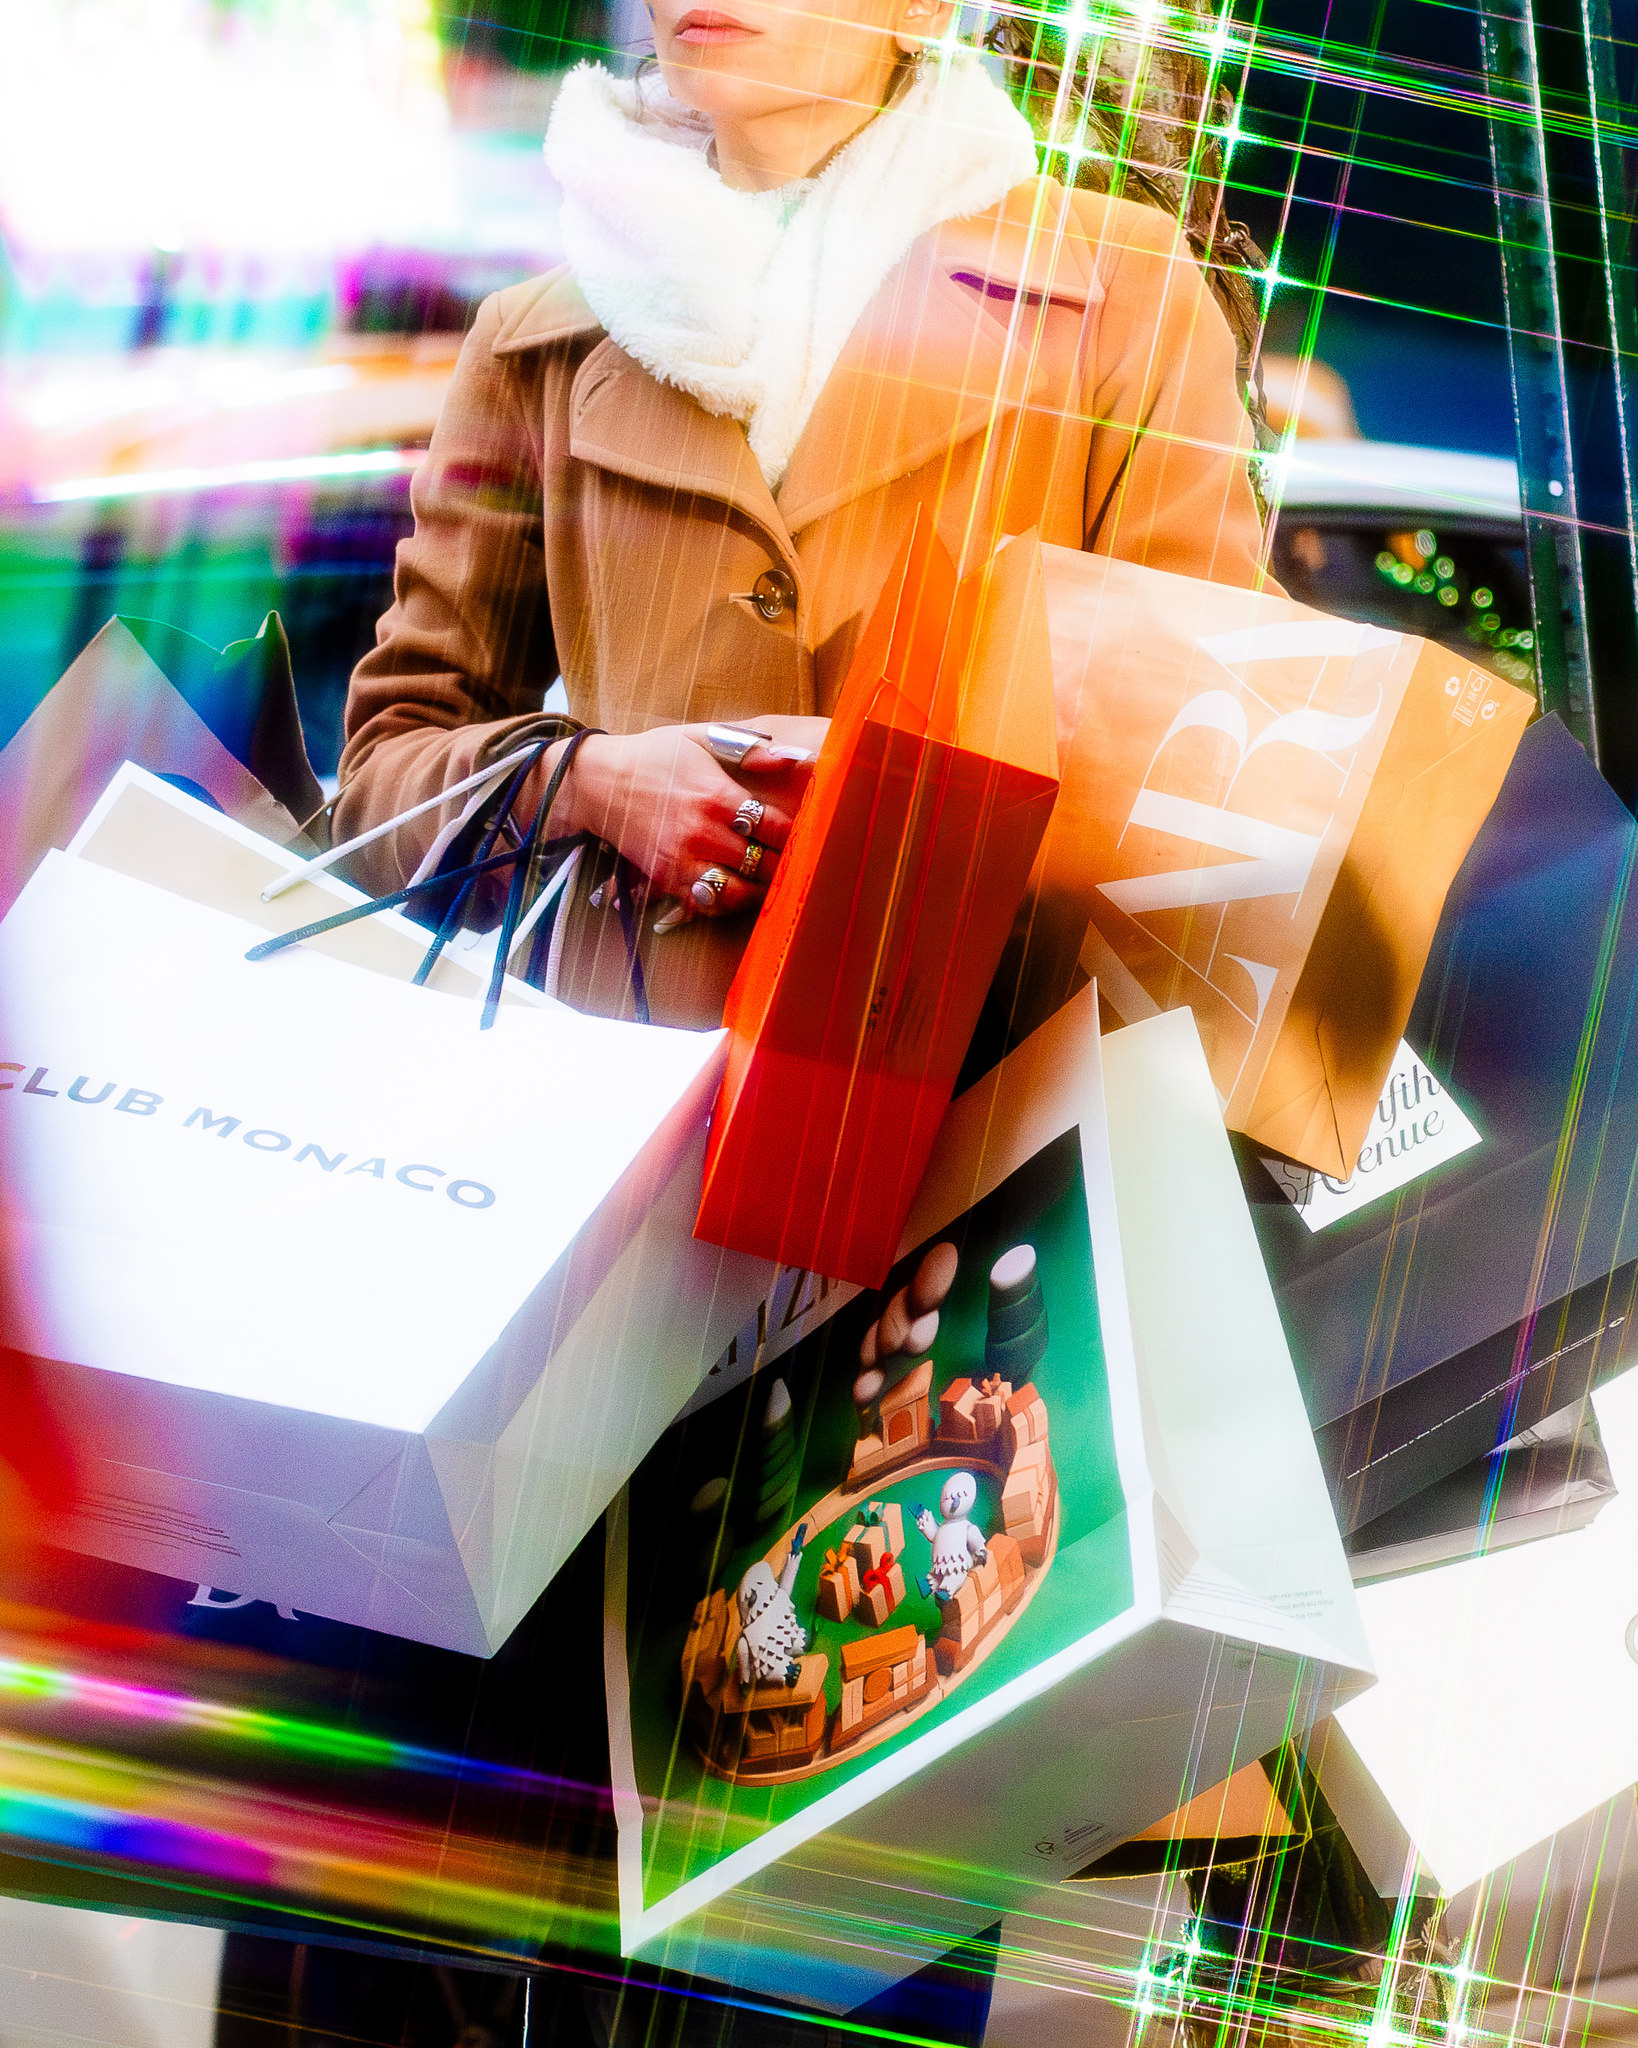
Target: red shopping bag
863	980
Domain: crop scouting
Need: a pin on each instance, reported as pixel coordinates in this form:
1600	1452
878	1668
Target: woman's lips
705	26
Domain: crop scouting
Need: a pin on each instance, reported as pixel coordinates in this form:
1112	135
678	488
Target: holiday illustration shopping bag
1262	809
346	1304
145	692
1065	1445
863	978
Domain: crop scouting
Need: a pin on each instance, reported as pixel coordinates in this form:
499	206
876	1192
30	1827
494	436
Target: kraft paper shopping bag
859	989
344	1301
1262	809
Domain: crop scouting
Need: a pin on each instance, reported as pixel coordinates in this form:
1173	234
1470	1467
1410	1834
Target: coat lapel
626	421
946	348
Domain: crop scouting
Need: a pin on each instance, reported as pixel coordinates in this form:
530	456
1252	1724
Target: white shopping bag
814	1799
143	826
346	1303
1508	1706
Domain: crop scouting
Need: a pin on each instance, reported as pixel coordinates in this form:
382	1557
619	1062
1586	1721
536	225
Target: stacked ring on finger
753	859
715	879
731	743
748	817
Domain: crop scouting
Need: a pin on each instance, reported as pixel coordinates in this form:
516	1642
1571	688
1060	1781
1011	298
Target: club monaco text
414	1174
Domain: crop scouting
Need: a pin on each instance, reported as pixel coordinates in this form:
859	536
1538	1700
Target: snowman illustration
771	1639
958	1544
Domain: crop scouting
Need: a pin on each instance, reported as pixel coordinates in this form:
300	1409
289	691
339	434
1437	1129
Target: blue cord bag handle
521	859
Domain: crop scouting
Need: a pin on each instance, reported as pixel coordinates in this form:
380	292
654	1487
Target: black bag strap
466	875
522	858
628	883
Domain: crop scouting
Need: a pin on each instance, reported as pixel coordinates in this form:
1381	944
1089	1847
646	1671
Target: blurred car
204	487
1419	540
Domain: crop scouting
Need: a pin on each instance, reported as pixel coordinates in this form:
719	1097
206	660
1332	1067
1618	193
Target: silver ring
748	817
753	859
731	743
714	879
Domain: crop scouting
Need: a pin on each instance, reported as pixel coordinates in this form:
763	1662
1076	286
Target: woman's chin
722	81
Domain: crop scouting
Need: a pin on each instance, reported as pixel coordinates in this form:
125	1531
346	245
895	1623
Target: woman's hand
665	801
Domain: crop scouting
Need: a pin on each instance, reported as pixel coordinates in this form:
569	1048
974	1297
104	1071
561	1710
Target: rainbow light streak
1323	60
362	1869
44	1684
279	470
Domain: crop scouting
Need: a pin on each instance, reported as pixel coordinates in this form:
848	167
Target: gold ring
753	859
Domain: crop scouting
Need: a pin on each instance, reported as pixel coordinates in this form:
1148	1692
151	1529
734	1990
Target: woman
813	283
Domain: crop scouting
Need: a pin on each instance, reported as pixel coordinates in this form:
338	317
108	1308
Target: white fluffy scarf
745	299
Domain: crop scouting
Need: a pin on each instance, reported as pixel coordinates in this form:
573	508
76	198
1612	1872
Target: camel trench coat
1057	364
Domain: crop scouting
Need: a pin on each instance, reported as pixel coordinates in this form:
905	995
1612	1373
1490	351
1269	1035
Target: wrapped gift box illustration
879	1533
1069	1556
881	1591
838	1585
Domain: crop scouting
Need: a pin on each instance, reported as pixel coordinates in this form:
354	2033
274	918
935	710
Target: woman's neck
797	142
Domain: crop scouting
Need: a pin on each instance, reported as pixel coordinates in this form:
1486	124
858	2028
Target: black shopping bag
223	722
1457	1311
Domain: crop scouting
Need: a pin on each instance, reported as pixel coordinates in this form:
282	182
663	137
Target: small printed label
1418	1125
1078	1838
1473	698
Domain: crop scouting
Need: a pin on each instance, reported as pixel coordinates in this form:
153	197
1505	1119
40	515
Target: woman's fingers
721	889
735	856
675	808
765	814
720	893
778	779
778	760
762	805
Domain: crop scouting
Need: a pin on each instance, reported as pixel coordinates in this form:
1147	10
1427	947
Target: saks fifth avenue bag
1261	811
1511	1255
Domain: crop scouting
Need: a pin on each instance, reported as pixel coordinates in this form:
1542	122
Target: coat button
772	591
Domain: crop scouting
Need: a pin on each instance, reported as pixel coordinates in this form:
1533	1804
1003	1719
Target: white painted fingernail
676	915
794	755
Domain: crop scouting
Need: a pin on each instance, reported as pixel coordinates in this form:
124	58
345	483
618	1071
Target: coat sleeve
1167	484
465	655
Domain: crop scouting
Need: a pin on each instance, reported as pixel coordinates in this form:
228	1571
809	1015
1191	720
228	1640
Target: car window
1462	588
